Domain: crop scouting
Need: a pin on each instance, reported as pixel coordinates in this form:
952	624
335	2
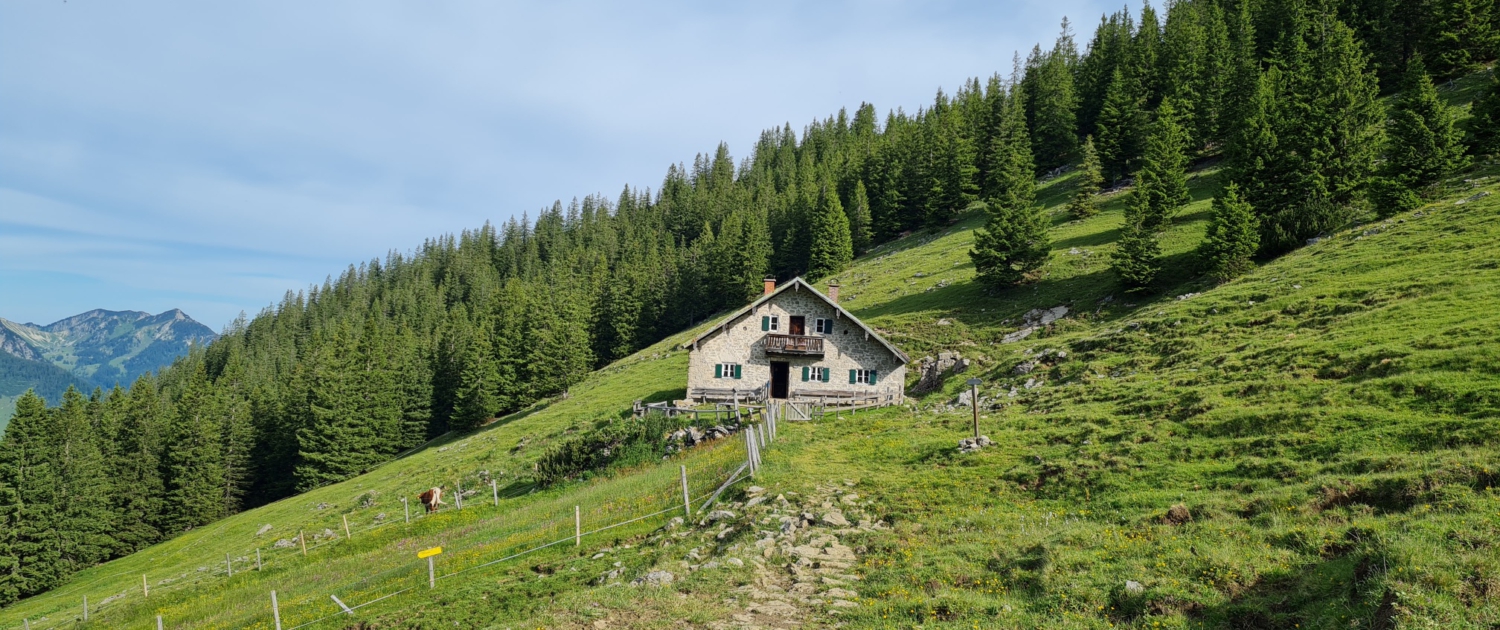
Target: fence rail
304	605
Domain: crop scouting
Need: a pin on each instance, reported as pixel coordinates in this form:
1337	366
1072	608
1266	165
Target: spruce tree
860	234
1052	103
476	399
1161	184
10	564
1122	126
1233	236
1138	257
194	458
82	501
1463	36
1424	146
28	468
1013	242
1484	126
832	249
137	468
1085	202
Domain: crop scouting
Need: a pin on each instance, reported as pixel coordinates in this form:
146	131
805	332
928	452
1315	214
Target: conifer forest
1317	111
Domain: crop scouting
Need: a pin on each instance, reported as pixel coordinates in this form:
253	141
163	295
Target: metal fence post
275	610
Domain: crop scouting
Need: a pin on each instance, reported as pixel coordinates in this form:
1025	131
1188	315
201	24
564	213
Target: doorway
798	325
780	376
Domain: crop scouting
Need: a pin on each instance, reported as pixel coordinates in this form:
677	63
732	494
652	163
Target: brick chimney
770	286
833	292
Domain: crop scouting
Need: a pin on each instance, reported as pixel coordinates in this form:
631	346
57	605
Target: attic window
823	326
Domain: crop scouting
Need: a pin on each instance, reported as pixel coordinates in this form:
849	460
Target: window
862	377
770	323
726	370
823	326
818	374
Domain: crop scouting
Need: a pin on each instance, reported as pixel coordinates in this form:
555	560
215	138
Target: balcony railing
794	344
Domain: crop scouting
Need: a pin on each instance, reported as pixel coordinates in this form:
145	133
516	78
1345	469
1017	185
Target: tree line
1287	93
346	375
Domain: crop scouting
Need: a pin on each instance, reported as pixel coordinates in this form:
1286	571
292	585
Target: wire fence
481	534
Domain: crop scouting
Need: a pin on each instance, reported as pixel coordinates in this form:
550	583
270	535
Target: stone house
795	343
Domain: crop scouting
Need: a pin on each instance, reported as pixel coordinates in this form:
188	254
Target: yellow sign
429	552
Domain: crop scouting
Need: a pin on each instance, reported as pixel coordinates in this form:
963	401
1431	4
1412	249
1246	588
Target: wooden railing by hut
729	394
800	345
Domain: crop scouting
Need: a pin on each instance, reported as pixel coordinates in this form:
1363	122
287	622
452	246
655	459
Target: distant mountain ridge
96	348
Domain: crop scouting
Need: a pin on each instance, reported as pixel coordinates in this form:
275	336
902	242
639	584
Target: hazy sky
210	156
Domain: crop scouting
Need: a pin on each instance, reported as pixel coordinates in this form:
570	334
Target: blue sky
212	156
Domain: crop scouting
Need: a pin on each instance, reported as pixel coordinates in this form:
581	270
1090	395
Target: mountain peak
104	347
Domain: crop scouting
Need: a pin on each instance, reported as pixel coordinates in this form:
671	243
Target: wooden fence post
458	497
346	527
406	507
302	537
431	576
85	607
228	566
687	503
495	490
158	622
275	610
145	588
577	526
257	559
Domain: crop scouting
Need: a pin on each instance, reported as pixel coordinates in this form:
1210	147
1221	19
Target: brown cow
431	499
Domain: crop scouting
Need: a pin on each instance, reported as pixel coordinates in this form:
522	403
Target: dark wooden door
781	372
798	325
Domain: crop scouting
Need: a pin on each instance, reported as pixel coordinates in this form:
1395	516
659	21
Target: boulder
655	578
934	371
835	518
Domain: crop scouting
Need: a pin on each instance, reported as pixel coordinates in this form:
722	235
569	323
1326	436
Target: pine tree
1161	184
1138	259
27	467
1085	202
1484	127
1122	126
1424	146
832	250
1233	236
1013	242
860	234
1052	103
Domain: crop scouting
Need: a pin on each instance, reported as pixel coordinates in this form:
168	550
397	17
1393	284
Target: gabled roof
795	284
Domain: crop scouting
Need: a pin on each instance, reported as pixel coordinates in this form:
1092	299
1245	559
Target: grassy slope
1329	421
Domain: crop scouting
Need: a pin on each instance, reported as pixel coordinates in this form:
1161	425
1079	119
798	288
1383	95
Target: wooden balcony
799	345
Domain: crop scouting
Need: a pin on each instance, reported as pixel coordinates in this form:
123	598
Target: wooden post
760	431
228	567
158	622
145	588
749	452
26	623
302	537
406	507
346	527
974	403
275	610
431	577
577	526
458	497
495	490
257	559
687	503
85	607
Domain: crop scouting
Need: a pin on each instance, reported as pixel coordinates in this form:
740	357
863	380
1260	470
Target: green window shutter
851	377
804	374
825	375
736	370
872	377
765	323
718	370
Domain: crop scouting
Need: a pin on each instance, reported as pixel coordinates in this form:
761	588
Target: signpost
974	402
431	574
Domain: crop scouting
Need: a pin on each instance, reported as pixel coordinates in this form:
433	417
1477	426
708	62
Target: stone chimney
770	286
833	292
